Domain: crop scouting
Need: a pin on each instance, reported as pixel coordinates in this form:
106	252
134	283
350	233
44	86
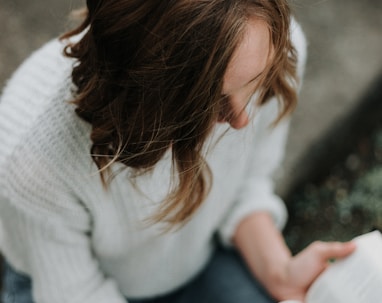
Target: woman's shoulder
36	79
35	102
40	71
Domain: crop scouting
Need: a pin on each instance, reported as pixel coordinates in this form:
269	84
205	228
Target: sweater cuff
268	202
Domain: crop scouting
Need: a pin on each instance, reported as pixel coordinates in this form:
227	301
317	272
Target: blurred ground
335	113
334	148
26	25
345	47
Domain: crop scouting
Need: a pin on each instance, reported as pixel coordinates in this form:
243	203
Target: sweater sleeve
47	231
257	190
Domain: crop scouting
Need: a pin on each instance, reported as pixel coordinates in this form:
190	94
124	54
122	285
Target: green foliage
346	204
365	197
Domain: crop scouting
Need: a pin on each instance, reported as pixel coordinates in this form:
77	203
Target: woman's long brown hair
149	76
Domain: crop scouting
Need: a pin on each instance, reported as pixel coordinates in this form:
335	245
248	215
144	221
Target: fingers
314	259
330	250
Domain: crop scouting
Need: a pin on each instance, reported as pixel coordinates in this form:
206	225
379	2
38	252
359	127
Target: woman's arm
269	259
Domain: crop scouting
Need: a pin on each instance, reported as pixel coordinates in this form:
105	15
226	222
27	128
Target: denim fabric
224	280
17	288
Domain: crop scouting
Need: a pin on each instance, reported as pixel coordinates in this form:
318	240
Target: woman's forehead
250	58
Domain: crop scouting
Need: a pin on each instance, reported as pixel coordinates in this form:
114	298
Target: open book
354	279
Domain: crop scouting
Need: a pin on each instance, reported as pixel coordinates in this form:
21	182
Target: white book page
355	279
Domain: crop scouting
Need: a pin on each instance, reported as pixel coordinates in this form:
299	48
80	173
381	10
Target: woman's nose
238	117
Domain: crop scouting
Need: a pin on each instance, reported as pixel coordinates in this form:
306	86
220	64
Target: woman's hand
286	277
301	270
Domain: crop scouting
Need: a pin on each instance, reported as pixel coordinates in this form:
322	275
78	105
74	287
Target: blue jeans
224	280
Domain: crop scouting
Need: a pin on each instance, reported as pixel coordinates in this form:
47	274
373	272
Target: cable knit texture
80	243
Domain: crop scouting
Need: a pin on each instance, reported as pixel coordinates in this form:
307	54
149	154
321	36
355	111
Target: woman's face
244	72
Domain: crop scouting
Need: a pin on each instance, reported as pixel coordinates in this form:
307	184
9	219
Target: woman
120	178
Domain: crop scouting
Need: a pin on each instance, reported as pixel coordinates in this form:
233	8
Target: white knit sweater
80	243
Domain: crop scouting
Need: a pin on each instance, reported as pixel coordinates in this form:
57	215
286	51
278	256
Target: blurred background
331	178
